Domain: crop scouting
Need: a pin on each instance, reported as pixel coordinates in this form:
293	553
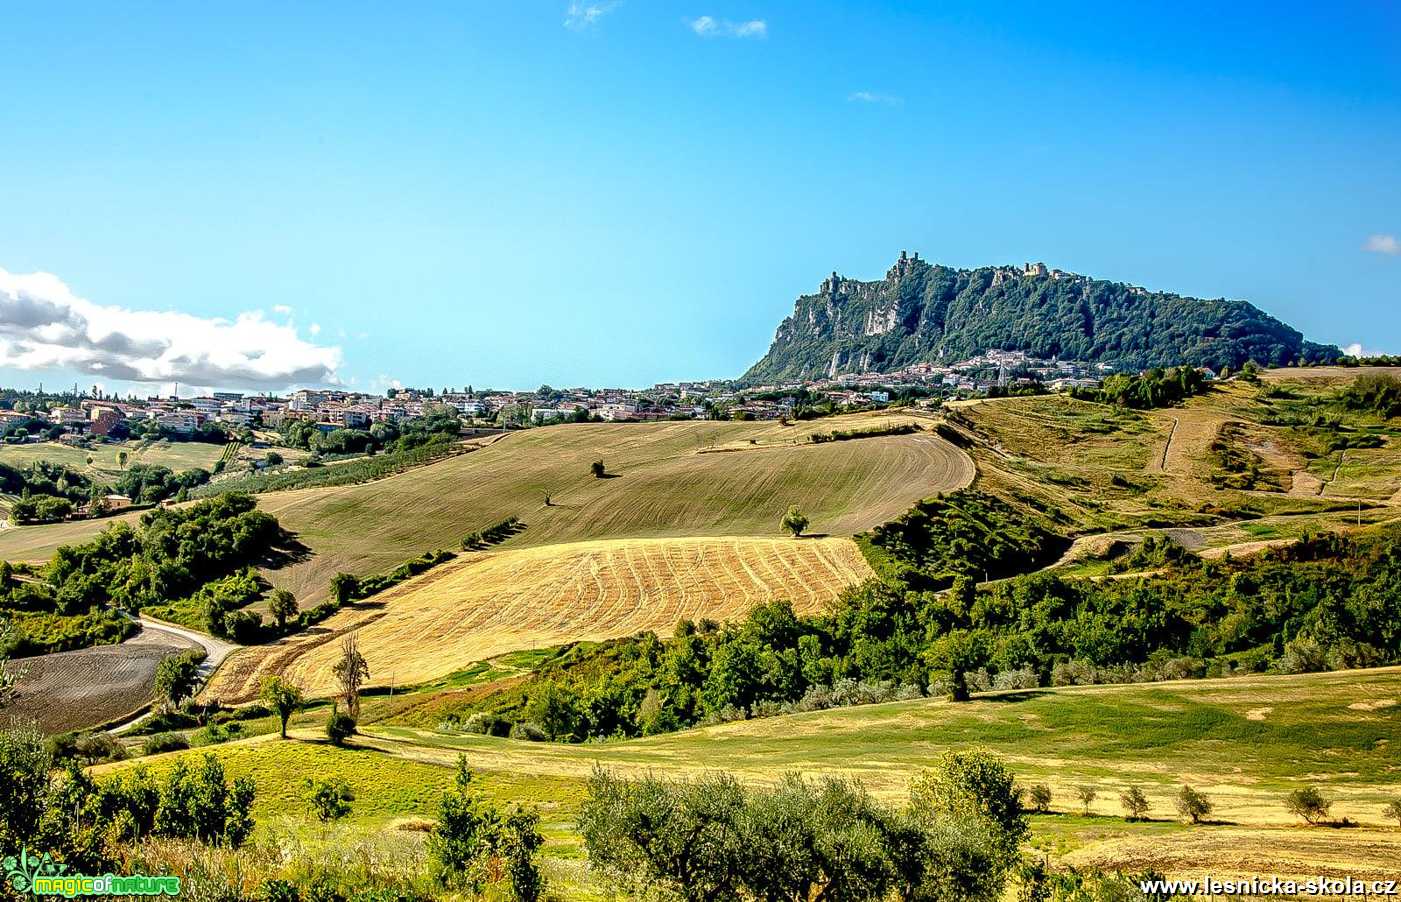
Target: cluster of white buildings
330	409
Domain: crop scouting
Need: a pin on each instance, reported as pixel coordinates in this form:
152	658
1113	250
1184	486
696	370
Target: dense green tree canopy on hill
171	553
928	313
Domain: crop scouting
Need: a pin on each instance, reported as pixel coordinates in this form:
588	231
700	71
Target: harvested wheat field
486	604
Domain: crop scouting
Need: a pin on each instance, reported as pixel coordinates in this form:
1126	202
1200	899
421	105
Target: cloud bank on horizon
44	325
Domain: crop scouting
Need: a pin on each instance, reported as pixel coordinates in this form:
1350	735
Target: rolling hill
1245	742
677	479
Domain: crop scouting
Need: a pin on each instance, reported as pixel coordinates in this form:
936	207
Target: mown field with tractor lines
484	604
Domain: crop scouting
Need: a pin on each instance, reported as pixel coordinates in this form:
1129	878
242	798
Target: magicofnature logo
42	876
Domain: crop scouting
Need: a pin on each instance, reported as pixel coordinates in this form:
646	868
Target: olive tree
1192	804
1309	804
1135	803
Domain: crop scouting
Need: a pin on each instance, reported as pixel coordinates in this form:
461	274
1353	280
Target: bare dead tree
351	673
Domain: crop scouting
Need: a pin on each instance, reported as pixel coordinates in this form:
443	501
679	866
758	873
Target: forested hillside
922	312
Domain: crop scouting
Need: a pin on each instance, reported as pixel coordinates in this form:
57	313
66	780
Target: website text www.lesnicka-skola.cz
1320	887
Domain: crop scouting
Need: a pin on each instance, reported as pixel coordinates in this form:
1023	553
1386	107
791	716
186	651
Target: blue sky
620	193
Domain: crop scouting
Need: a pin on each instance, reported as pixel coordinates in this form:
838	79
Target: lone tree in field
282	697
598	469
1393	811
351	673
1040	798
1193	805
176	678
283	606
794	521
1135	803
1087	796
1309	804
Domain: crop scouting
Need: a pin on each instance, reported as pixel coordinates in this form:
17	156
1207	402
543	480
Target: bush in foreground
340	727
474	844
329	799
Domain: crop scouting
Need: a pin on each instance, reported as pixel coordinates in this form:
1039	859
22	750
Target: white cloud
580	16
1383	244
43	325
874	97
282	310
1357	350
711	27
315	329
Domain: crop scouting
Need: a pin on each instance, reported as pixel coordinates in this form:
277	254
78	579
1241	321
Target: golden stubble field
485	604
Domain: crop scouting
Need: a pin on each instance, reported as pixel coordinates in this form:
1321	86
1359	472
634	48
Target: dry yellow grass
483	605
1229	851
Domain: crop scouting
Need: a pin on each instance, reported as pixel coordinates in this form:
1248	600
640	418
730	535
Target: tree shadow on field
286	551
814	535
1012	696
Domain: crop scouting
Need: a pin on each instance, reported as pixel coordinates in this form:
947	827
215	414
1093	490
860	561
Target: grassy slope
1245	742
175	455
1116	470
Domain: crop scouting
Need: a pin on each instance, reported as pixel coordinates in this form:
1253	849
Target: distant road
215	650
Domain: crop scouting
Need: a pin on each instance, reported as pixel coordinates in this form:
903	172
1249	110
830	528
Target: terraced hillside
483	605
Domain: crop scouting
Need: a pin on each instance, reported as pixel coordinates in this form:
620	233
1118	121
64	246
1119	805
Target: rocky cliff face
921	312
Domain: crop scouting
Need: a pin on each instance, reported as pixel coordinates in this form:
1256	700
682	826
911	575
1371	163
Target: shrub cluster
499	532
843	435
714	839
83	822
